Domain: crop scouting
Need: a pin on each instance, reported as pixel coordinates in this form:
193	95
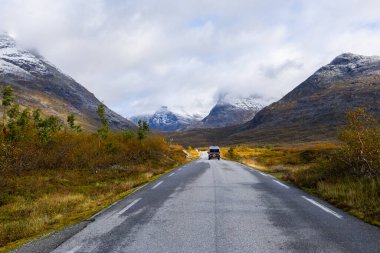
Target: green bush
360	153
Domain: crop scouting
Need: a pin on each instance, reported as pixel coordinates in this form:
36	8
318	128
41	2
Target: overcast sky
141	54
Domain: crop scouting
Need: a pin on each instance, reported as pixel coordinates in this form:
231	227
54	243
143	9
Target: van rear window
214	150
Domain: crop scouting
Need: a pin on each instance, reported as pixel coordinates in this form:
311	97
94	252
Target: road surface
222	206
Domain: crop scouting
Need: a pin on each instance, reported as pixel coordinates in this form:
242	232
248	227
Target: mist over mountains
228	111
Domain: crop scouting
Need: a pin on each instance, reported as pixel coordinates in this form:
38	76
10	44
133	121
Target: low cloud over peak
139	55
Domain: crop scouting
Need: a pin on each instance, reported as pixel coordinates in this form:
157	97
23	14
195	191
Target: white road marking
138	188
154	187
73	250
171	174
283	185
328	210
263	174
129	206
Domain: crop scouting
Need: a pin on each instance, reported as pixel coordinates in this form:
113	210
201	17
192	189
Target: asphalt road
222	206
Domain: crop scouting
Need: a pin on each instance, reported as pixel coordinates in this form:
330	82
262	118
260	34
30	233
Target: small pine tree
72	125
8	100
37	115
143	130
23	124
24	119
48	127
13	115
104	129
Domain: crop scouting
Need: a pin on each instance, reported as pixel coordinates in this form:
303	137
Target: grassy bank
34	202
53	174
305	166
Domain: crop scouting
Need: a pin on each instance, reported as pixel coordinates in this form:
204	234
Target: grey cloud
272	71
139	55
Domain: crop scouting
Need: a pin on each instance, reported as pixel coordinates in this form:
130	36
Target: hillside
39	84
315	110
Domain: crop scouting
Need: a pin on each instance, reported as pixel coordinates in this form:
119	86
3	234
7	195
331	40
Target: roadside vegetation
54	174
346	174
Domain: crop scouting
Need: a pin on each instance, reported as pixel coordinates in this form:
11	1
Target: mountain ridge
39	84
229	110
315	110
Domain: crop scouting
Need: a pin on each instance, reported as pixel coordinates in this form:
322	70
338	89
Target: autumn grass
46	187
360	197
43	201
194	153
301	165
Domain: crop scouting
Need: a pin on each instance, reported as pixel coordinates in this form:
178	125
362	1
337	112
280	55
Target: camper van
214	153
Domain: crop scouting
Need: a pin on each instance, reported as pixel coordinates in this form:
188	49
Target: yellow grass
48	200
44	188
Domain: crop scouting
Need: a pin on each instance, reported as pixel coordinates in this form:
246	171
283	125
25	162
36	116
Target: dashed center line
326	209
171	174
283	185
129	206
154	187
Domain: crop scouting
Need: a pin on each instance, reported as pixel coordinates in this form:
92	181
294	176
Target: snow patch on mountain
232	110
348	65
246	103
19	61
165	119
182	112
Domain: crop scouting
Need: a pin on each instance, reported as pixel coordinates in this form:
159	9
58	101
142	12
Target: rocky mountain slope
166	120
313	111
39	84
230	111
317	107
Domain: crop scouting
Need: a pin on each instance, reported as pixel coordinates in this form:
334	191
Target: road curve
222	206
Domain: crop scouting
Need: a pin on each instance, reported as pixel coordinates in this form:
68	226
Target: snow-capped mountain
229	110
39	84
317	107
167	120
232	110
189	116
